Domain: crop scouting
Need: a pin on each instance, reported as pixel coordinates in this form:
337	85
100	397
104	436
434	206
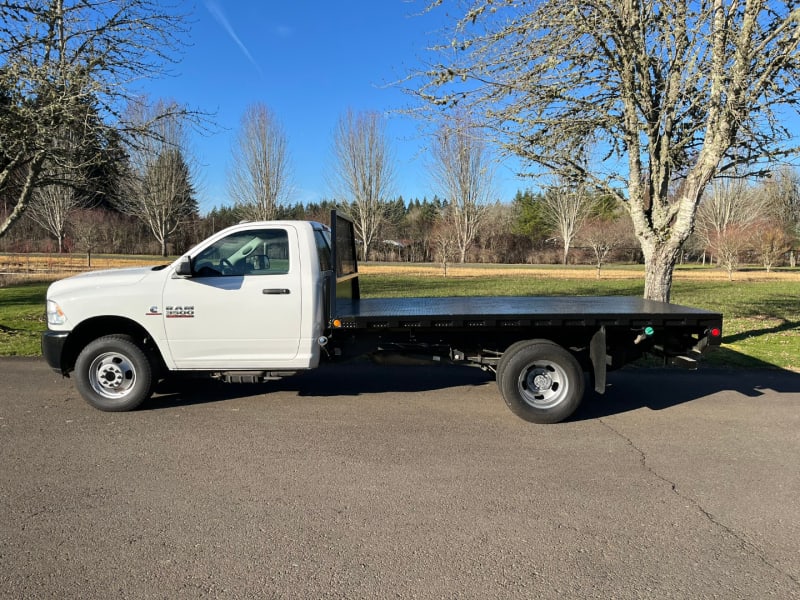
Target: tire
114	374
540	381
501	364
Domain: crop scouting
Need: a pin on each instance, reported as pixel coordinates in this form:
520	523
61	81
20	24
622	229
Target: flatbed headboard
344	258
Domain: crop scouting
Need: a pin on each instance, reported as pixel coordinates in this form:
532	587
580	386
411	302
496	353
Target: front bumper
53	348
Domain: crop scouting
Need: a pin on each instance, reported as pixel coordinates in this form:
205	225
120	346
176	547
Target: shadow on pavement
661	388
629	389
328	381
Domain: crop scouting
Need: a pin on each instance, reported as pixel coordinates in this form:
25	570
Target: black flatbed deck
516	311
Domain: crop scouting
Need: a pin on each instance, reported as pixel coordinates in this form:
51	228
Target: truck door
241	308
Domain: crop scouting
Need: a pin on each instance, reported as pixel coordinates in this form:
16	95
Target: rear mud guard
597	354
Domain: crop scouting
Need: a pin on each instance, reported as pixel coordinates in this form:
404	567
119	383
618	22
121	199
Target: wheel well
98	327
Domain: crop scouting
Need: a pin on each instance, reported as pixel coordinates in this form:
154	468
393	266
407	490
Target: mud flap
597	354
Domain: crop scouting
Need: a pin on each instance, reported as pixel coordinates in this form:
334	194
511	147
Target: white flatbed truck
263	300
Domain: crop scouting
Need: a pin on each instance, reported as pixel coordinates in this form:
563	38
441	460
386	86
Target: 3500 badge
179	312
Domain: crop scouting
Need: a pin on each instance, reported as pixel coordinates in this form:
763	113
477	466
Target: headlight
55	316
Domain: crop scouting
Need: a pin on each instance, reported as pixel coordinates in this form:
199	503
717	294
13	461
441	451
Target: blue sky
309	61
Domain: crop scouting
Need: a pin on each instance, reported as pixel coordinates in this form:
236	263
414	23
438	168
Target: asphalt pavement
374	482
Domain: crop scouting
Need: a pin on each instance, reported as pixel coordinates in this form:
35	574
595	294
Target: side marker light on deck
337	323
715	332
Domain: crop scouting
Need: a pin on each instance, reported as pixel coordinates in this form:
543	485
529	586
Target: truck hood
99	279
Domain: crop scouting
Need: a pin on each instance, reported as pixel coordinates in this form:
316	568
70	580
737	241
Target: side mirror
184	267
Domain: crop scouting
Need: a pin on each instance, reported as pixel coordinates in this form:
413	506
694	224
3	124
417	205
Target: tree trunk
658	266
661	236
24	196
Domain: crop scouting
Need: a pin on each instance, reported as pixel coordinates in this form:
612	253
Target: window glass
323	249
255	252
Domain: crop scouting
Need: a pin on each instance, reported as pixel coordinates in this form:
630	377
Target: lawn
22	319
762	313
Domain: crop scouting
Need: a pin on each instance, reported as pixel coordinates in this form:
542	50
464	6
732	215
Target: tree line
659	111
737	223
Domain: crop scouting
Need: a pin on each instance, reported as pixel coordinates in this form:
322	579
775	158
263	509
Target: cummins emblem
179	312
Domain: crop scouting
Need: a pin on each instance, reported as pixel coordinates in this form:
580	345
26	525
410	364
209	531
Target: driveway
374	482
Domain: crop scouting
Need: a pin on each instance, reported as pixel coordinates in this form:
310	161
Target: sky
309	61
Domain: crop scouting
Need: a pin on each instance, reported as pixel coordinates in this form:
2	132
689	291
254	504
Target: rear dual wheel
540	381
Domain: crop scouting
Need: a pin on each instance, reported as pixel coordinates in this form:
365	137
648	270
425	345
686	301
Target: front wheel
540	381
114	374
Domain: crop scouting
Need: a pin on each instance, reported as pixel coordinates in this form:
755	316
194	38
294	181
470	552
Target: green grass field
762	318
22	319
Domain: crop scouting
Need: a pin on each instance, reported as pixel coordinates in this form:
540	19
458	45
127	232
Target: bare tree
363	170
770	240
159	183
660	91
63	63
61	190
782	196
495	239
462	171
444	239
782	190
726	221
565	207
603	236
729	209
259	178
89	230
728	246
51	208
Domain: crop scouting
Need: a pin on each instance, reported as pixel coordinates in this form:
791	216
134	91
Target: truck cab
249	298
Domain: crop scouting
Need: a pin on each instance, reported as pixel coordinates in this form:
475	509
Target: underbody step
251	376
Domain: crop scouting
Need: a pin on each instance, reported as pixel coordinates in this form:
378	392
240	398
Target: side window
323	249
255	252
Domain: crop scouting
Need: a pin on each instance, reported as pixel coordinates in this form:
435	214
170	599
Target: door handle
275	291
